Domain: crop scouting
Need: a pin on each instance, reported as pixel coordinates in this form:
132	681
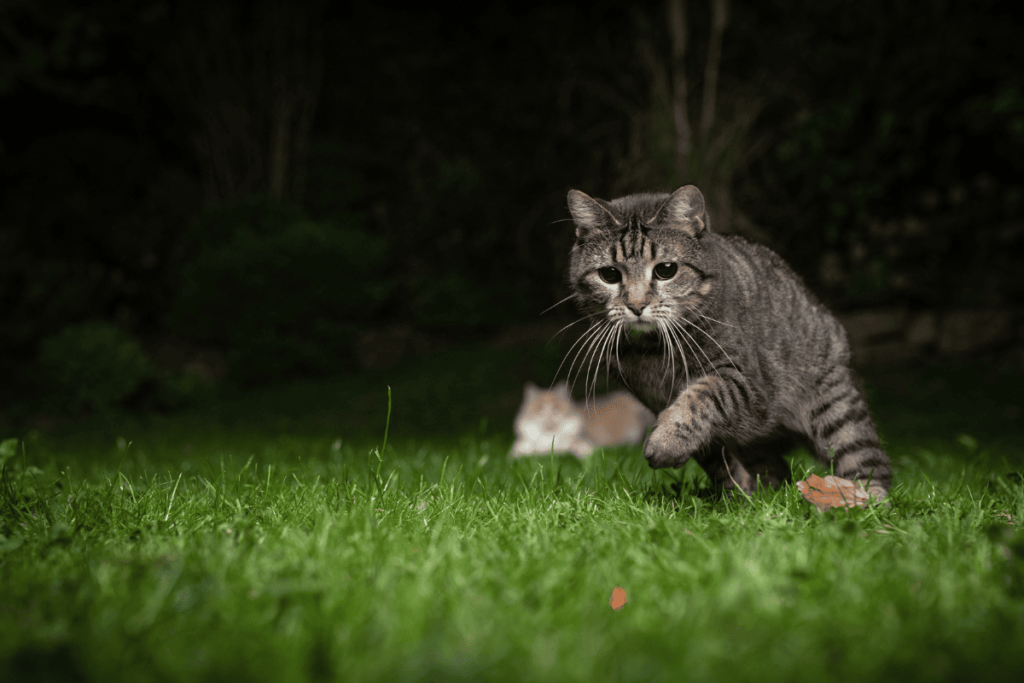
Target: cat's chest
652	377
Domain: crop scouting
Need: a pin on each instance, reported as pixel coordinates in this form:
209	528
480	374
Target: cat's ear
684	211
591	215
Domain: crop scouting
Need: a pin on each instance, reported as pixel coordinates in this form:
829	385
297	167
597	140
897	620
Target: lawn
274	536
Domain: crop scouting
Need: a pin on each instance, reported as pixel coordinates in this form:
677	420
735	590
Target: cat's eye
610	275
665	271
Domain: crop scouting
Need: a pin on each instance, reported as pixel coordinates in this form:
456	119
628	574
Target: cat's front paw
664	448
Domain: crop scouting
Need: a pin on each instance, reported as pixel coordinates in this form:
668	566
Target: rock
923	329
973	329
883	353
874	323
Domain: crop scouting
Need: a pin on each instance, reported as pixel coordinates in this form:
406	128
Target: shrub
95	365
281	294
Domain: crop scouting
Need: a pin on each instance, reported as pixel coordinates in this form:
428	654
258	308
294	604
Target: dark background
223	194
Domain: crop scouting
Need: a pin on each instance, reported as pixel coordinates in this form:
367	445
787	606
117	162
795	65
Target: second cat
550	420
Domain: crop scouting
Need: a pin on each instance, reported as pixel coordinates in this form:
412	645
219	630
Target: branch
677	30
719	19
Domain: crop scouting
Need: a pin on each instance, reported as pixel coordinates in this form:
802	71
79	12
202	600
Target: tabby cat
721	339
549	420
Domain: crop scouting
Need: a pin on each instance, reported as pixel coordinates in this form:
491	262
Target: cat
549	420
719	338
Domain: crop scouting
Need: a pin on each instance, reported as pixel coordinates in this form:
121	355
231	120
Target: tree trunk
677	30
719	19
251	82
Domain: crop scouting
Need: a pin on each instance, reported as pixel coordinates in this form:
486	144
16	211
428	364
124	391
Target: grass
274	537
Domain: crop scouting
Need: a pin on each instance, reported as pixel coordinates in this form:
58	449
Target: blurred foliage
94	366
900	135
282	292
879	146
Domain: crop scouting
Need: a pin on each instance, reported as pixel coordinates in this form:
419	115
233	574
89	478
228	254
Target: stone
884	353
864	326
968	330
923	329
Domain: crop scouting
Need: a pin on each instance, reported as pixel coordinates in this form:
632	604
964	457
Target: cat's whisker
669	361
707	317
687	339
608	355
679	326
618	361
602	352
583	337
702	352
592	339
693	309
604	355
613	334
586	372
595	356
686	369
585	351
670	349
558	304
591	315
715	342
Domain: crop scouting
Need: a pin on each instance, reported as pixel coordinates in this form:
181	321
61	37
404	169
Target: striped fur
721	339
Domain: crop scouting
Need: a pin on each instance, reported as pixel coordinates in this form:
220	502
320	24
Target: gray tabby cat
721	339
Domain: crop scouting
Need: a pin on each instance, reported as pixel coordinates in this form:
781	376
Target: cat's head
640	260
547	421
550	408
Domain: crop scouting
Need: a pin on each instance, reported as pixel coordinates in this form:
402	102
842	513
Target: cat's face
638	261
550	410
548	421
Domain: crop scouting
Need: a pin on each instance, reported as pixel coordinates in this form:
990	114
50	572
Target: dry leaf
618	600
832	492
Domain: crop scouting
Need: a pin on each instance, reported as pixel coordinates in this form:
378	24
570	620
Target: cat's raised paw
662	450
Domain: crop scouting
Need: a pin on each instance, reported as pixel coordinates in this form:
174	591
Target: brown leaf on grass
618	600
832	492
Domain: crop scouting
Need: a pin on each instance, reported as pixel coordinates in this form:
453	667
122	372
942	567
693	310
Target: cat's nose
638	309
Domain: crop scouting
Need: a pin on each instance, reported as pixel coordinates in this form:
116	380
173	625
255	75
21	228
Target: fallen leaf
832	492
618	600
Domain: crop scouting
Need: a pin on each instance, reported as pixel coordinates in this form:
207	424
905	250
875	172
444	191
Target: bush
283	295
94	365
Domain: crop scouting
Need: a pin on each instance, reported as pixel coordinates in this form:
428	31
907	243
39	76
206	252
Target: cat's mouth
638	328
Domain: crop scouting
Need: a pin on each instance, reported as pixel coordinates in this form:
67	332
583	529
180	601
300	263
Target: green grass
274	537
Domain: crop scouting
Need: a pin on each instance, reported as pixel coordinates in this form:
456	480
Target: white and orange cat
550	420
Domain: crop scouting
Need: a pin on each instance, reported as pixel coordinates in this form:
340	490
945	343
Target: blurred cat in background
550	420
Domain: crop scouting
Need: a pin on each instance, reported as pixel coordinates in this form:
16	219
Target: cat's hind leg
764	459
724	468
748	465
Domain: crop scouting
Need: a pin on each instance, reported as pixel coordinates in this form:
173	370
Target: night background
211	193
